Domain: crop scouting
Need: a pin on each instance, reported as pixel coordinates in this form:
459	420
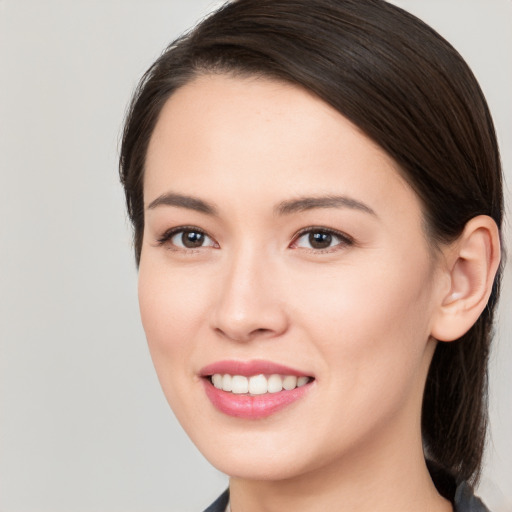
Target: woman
315	190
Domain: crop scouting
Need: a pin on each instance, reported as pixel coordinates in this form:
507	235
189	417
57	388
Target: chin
255	468
259	455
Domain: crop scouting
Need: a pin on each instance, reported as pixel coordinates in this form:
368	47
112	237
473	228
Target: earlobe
472	263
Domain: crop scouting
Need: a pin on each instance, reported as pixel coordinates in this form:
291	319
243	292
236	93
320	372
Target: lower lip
252	407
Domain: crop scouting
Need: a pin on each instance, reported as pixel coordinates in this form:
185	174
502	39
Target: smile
257	384
254	389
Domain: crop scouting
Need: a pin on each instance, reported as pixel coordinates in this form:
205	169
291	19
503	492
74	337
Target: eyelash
344	240
170	233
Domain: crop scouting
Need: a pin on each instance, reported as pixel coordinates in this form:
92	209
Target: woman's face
279	240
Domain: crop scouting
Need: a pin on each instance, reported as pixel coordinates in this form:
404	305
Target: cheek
170	307
371	331
372	297
370	320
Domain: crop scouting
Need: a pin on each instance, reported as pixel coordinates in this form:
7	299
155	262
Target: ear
471	265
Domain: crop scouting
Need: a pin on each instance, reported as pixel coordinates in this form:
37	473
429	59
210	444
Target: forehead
237	135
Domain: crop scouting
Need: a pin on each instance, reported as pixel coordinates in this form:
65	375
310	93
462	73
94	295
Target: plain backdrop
84	425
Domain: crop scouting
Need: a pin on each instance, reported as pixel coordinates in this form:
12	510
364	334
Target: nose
249	303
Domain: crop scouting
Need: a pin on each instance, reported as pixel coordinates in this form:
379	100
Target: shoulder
458	491
466	501
220	504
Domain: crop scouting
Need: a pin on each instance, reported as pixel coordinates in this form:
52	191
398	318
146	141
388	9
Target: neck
395	480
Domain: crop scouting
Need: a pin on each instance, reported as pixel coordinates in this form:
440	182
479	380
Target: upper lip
248	368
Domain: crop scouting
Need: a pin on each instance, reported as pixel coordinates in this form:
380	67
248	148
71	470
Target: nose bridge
248	303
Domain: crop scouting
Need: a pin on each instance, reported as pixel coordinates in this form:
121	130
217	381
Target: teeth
217	380
239	384
257	384
302	381
290	382
275	384
226	383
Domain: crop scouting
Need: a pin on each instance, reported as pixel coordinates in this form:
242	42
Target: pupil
192	239
320	240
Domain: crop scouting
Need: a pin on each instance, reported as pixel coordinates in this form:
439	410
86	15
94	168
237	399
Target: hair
407	89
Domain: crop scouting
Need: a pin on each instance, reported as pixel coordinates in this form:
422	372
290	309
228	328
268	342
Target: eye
187	238
321	239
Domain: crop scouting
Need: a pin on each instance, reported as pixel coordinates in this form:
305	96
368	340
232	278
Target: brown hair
412	93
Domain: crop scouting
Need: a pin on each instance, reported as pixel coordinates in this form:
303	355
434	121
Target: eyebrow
183	201
309	203
283	208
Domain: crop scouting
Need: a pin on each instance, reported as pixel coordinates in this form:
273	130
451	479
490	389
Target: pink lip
247	406
248	368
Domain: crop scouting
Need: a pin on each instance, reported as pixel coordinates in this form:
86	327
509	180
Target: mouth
253	390
257	384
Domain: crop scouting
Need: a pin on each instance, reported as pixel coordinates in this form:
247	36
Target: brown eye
192	239
183	238
321	239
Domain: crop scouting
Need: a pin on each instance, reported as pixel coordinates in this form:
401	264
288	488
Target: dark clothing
466	501
220	504
461	495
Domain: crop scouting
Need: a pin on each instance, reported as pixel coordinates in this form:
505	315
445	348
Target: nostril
238	335
260	331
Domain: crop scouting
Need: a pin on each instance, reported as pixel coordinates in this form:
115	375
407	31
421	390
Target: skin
357	316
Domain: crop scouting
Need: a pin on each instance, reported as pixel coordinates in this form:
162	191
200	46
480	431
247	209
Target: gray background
83	423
